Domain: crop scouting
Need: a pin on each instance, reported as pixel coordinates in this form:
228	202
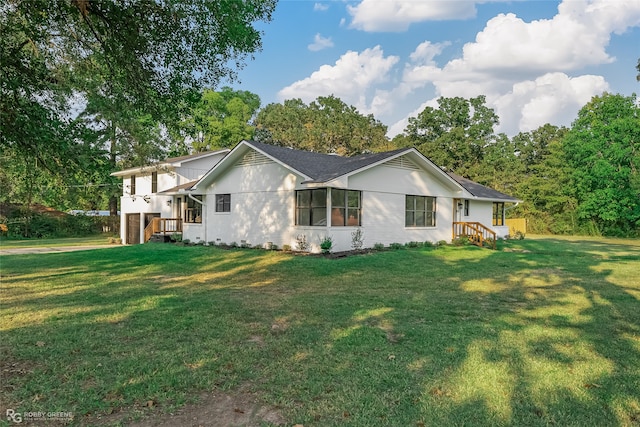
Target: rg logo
14	416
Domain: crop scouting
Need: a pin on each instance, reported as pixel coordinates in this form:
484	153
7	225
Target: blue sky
537	62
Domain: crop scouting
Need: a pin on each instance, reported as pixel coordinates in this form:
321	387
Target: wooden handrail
162	226
477	232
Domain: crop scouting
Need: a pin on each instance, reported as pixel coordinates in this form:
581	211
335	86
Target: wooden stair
478	233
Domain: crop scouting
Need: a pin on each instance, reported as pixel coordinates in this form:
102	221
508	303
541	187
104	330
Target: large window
346	207
498	213
466	208
223	202
154	182
311	207
193	212
420	211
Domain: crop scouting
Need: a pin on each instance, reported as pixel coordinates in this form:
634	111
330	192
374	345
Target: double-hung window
154	182
346	207
223	202
420	211
311	207
498	213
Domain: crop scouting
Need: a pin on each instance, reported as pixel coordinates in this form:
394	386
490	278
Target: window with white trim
498	213
346	208
311	207
420	211
223	202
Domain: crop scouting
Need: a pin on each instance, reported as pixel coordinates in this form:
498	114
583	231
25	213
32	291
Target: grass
545	331
99	239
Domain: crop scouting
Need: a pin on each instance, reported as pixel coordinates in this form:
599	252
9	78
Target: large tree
454	134
219	119
602	150
326	125
153	57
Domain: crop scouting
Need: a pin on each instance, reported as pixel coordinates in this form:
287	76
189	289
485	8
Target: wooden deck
162	226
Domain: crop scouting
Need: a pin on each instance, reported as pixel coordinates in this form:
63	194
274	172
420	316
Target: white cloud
320	7
552	98
320	43
397	15
349	78
521	66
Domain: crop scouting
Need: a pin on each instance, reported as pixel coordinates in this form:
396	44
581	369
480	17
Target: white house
147	192
260	194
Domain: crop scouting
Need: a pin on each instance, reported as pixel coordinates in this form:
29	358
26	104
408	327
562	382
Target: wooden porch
477	233
162	227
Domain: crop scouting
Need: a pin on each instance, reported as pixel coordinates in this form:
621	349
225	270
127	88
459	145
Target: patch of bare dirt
215	409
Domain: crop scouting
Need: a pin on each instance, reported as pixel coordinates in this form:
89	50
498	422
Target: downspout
203	214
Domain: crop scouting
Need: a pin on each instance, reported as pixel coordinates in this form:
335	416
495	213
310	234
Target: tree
151	56
602	148
638	68
326	125
454	134
220	119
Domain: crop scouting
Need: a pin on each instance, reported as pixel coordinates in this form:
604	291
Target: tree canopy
220	119
132	65
454	134
326	125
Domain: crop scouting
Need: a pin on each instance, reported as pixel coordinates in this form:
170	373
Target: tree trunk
113	199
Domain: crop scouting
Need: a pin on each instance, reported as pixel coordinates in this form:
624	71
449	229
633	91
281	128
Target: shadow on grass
440	337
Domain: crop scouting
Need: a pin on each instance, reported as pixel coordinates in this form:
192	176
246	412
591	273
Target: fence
516	224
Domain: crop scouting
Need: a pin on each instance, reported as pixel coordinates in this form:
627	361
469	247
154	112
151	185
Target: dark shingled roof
321	167
480	190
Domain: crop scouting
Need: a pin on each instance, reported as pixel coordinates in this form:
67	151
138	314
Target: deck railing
162	226
478	233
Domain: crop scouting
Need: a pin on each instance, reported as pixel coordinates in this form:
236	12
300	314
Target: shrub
186	241
233	245
301	243
441	243
176	237
378	247
326	244
428	244
413	244
357	239
396	246
286	248
518	235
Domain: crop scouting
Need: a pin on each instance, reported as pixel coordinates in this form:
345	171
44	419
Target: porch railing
162	226
478	233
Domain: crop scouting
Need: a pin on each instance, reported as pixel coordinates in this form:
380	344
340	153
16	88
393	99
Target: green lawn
545	331
99	239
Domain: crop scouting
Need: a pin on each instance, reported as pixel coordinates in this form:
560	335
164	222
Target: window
346	207
420	211
154	182
311	207
193	212
466	208
132	187
223	202
498	213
